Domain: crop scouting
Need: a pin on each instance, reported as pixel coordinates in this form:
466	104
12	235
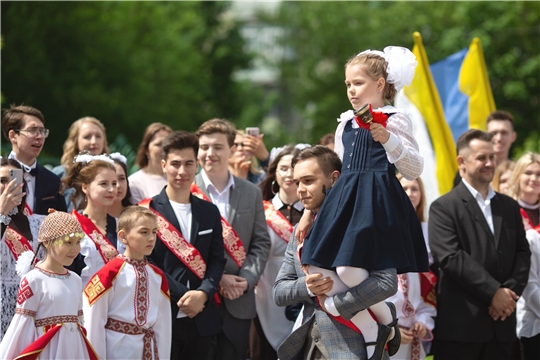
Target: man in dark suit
478	242
240	204
196	317
24	127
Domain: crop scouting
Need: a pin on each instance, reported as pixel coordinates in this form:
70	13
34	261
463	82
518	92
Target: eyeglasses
34	131
239	144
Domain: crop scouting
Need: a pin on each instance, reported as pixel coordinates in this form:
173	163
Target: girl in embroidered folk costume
366	221
19	232
282	211
127	309
47	323
94	178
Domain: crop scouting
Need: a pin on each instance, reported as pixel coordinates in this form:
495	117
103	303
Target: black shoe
395	342
382	338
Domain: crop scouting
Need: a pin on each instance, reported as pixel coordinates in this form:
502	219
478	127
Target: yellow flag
474	82
424	95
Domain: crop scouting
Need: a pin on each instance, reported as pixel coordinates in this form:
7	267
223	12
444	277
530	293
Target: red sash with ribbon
27	211
231	240
103	245
188	254
16	243
277	222
427	287
33	351
527	222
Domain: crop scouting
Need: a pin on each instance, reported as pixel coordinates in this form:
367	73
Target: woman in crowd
86	134
283	210
415	305
19	233
501	176
123	196
525	188
149	180
244	164
94	179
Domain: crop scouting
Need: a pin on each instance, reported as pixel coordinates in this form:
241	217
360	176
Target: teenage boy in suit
189	250
24	127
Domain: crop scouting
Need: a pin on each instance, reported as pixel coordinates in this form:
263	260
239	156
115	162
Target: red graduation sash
103	245
527	222
33	351
427	287
27	211
16	243
231	240
173	239
277	222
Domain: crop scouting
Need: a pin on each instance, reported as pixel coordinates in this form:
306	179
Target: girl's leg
353	276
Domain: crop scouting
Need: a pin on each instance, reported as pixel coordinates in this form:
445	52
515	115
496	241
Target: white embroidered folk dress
46	299
274	323
9	280
528	305
410	309
135	297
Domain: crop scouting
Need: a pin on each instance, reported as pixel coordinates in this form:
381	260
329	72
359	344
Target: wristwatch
4	219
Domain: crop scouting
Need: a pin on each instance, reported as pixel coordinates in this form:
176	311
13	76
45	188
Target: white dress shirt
484	204
220	199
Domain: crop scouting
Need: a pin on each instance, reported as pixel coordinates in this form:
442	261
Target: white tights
346	277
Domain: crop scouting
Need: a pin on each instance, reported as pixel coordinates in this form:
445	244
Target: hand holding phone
253	131
17	175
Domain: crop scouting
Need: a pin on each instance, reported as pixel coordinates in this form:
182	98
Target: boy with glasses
24	127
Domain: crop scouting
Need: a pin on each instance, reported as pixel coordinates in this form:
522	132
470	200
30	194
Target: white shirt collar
208	183
475	193
278	204
25	167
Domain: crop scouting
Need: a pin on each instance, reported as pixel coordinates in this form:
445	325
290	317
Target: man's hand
192	302
503	304
232	286
322	298
318	285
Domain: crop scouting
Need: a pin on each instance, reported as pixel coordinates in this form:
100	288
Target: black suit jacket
474	263
206	236
47	192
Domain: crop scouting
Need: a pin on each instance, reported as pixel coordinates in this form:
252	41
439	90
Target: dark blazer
474	263
206	236
47	192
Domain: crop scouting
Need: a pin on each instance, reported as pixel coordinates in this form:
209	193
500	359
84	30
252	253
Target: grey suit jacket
246	215
340	341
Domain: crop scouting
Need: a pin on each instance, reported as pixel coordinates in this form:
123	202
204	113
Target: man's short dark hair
179	140
12	118
327	159
500	115
465	139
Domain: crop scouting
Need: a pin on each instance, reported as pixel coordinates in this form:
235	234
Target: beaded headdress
59	225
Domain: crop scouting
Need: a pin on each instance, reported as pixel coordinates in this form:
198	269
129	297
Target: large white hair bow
401	64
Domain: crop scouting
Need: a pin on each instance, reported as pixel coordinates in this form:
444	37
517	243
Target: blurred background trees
181	63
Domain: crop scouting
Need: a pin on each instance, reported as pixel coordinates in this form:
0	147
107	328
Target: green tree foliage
320	36
125	63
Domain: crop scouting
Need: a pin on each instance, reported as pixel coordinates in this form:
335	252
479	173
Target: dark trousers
188	344
530	347
259	347
233	339
453	350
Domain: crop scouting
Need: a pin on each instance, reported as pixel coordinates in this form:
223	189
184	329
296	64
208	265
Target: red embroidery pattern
403	281
26	312
16	243
80	313
415	348
25	292
142	295
277	222
53	320
132	329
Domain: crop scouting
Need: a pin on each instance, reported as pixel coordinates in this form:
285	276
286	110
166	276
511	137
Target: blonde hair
499	171
375	66
129	216
71	146
422	204
529	158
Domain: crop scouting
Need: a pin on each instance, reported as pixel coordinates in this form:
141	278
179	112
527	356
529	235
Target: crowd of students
201	254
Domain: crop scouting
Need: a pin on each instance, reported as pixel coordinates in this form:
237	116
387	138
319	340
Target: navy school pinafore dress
366	219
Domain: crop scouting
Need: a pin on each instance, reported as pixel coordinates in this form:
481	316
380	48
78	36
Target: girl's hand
303	226
379	133
255	145
419	330
9	197
407	336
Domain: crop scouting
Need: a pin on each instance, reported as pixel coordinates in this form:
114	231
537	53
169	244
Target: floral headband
118	157
86	158
401	64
